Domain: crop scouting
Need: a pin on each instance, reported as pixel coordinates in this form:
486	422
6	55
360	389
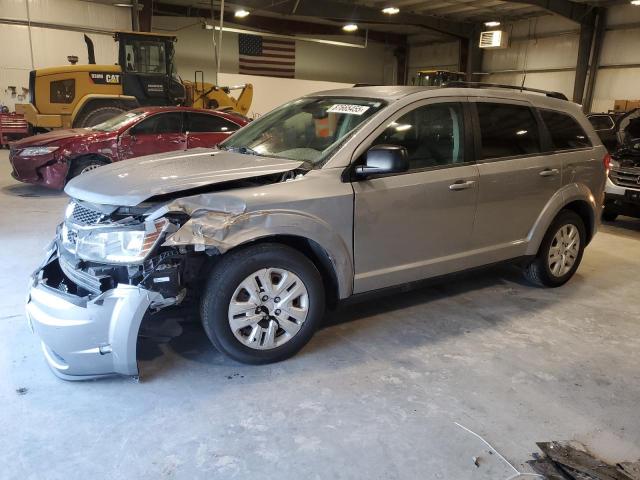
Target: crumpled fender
567	194
225	230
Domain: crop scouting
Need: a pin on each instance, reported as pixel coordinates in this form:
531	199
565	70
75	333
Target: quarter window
566	133
601	122
202	122
159	124
507	130
433	135
62	91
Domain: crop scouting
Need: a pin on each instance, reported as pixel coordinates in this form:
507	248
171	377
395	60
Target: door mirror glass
384	160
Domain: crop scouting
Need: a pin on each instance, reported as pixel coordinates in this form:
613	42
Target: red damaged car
53	158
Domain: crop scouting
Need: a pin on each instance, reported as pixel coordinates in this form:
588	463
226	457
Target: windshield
307	129
117	122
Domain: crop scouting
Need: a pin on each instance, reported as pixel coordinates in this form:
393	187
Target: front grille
84	216
629	177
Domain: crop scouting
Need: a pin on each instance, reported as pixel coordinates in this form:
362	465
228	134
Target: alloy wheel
564	250
268	308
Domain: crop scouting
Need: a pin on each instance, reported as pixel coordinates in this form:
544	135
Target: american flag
266	56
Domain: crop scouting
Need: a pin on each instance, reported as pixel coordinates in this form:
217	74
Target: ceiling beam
351	12
272	24
577	12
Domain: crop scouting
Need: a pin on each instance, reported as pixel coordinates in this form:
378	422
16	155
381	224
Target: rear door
207	129
516	178
417	224
161	132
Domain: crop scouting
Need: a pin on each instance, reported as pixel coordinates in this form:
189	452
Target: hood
131	182
57	136
629	127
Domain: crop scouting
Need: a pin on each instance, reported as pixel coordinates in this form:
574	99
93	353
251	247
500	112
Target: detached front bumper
87	337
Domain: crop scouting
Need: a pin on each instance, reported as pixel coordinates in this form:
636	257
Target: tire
272	341
609	215
98	115
540	271
83	165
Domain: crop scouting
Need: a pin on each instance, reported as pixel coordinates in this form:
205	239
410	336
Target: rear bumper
87	337
617	199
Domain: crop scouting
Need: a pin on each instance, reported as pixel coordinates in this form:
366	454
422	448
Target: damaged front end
105	271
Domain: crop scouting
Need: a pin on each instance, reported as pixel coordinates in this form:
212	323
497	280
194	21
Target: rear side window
601	122
507	130
62	91
159	123
202	122
566	133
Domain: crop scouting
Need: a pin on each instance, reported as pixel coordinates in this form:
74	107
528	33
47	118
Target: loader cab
438	78
148	69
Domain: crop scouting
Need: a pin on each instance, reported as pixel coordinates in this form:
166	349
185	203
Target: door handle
549	172
461	185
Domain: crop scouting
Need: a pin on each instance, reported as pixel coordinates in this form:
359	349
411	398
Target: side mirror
384	160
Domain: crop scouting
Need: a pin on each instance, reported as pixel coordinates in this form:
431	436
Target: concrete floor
374	395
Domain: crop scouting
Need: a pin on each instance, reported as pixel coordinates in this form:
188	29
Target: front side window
432	134
62	91
202	122
159	124
308	129
566	133
143	56
507	130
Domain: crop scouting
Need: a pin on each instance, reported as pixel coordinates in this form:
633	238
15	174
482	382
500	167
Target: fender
225	231
101	96
567	194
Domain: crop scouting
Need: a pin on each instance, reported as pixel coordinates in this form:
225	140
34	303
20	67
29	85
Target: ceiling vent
494	39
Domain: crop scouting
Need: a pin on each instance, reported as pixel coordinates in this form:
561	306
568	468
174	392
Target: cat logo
102	78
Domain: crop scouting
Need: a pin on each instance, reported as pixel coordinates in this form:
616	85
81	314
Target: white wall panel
15	47
551	52
70	43
615	84
269	92
621	47
86	14
14	9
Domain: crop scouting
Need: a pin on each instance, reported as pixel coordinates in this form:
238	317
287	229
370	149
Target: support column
471	55
598	40
587	30
401	53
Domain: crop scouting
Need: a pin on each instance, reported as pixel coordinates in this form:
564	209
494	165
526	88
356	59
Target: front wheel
560	252
262	303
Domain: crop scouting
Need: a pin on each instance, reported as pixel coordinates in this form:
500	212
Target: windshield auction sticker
348	109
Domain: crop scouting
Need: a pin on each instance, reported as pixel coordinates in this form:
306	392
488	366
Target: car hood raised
131	182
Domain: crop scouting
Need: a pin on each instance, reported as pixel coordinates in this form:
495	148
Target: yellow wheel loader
85	95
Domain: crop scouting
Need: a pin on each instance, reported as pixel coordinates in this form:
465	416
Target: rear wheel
98	115
263	303
560	252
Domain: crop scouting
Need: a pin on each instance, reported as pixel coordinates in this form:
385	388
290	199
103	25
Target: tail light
606	161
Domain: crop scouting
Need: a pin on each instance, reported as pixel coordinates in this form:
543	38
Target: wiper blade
243	150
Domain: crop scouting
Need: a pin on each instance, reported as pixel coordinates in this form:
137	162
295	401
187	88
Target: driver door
158	133
419	223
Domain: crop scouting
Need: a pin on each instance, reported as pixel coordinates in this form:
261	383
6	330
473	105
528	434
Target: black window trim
542	131
552	150
613	122
187	114
155	114
469	150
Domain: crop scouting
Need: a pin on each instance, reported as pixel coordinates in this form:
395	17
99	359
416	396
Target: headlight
35	151
125	245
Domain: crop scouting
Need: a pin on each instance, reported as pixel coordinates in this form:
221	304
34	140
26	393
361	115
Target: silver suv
329	196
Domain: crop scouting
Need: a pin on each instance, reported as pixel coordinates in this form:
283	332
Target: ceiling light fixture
125	5
390	10
635	2
492	23
242	13
350	27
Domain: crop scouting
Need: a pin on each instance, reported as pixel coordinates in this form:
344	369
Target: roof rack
558	95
